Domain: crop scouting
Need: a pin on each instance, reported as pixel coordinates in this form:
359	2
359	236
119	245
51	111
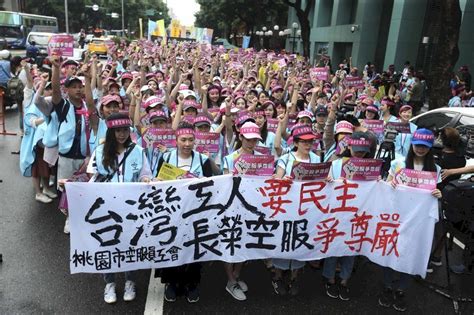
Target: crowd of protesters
84	121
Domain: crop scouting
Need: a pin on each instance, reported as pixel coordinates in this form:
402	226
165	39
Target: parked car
439	118
461	118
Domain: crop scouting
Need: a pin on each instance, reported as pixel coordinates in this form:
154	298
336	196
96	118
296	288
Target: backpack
15	88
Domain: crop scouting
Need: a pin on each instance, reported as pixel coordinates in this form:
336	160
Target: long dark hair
428	160
109	160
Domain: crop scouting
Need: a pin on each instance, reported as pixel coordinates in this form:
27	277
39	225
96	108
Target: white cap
187	93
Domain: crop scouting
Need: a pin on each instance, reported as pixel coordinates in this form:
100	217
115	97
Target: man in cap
72	115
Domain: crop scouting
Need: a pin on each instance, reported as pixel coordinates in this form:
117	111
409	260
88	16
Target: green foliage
81	16
226	16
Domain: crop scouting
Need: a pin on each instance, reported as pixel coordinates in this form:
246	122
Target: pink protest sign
376	126
356	82
320	73
361	169
257	165
154	136
272	124
310	171
342	145
398	126
418	179
207	142
61	45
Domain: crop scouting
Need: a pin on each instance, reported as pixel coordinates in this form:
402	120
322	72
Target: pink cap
404	108
250	130
344	127
372	109
368	101
153	101
110	98
305	113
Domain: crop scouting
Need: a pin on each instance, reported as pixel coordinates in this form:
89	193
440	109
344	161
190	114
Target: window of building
325	13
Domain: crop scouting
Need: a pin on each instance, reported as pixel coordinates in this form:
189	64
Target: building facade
383	32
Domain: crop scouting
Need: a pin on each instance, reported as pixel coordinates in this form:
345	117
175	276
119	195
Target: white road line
155	296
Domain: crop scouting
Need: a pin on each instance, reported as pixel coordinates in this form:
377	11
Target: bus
15	27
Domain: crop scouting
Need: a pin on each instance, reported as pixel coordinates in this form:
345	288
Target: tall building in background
383	32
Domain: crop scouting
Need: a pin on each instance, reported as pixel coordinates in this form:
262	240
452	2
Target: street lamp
276	27
296	34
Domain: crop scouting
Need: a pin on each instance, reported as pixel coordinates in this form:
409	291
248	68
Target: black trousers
183	276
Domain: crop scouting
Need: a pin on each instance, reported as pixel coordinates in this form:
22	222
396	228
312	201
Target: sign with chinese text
418	179
154	136
310	171
256	165
361	169
130	226
61	45
320	73
356	82
207	142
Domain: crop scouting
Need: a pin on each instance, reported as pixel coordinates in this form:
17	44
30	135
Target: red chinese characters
360	227
308	193
345	197
328	232
275	190
386	234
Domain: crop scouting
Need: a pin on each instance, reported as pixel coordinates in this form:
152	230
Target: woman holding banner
186	278
248	138
119	160
420	158
359	147
303	138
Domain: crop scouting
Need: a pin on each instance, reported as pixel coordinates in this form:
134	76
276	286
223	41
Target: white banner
129	226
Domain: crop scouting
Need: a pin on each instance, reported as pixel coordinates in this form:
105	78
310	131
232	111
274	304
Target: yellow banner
175	28
160	28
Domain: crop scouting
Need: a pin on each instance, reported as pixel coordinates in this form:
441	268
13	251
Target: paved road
35	278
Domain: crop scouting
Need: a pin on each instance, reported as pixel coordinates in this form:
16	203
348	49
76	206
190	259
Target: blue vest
153	155
130	169
197	162
286	161
95	139
30	139
67	131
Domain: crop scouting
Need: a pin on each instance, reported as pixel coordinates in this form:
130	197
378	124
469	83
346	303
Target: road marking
155	296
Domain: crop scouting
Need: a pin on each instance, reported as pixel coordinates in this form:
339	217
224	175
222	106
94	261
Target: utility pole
66	14
123	21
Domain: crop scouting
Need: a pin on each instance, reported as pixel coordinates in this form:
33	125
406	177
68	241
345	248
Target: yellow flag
140	23
160	25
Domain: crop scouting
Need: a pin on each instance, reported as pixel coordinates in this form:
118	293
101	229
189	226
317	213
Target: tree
445	24
303	18
237	16
81	16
